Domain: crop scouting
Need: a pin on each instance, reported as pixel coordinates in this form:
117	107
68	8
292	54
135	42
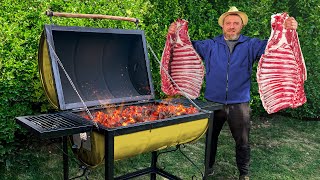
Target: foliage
21	92
18	79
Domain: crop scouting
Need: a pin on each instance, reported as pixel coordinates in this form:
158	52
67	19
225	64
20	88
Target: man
229	59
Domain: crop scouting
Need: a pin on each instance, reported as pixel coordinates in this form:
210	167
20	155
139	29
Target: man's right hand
172	28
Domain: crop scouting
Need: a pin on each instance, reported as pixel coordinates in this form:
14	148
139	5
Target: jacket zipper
227	87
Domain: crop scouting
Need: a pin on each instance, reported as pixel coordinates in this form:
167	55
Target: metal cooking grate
55	125
52	121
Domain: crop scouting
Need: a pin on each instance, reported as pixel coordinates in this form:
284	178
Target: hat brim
243	16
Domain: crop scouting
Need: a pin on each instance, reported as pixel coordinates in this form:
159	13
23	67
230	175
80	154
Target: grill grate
52	121
55	125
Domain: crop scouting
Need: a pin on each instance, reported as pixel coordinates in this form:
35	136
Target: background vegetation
21	24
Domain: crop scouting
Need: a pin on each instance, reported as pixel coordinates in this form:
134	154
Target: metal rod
109	154
72	84
90	16
153	165
191	162
167	175
65	158
208	147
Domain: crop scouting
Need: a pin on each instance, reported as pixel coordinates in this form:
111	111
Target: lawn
282	148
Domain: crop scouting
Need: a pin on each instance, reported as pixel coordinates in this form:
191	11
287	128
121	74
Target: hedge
21	24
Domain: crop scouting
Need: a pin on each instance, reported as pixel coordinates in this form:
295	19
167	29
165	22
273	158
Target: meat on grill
281	70
182	63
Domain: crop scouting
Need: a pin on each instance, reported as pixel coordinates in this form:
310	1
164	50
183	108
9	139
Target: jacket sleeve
258	48
201	47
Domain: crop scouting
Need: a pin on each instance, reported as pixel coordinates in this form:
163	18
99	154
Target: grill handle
92	16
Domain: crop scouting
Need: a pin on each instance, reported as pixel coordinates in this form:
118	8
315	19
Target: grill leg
153	165
208	147
65	158
109	155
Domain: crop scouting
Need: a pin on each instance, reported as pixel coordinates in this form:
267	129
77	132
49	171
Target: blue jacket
228	76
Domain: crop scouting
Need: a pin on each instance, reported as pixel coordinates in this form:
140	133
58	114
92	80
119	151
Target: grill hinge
90	108
144	101
78	109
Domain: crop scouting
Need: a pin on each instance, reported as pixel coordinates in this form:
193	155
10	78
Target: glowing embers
125	115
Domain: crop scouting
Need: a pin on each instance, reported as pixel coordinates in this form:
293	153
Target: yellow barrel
132	144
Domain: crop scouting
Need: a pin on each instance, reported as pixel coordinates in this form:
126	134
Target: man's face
232	26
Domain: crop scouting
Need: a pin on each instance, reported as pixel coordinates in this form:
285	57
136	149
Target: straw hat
233	10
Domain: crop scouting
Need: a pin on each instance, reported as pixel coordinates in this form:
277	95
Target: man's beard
232	37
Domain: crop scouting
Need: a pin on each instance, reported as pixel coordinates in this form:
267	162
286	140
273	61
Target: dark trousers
238	118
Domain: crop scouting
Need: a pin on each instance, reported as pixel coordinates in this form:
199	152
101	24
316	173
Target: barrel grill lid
106	66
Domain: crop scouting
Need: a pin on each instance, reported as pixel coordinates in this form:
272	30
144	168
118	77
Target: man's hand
291	23
172	28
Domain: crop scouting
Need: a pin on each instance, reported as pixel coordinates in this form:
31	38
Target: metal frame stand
208	146
153	170
65	158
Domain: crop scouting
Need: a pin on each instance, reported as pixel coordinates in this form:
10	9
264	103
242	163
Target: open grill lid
106	66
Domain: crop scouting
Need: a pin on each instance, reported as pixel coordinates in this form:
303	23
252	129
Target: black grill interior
102	65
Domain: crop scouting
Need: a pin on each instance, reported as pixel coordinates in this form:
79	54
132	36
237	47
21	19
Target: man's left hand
291	23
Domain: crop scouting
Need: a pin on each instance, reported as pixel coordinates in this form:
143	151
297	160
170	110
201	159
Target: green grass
282	148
